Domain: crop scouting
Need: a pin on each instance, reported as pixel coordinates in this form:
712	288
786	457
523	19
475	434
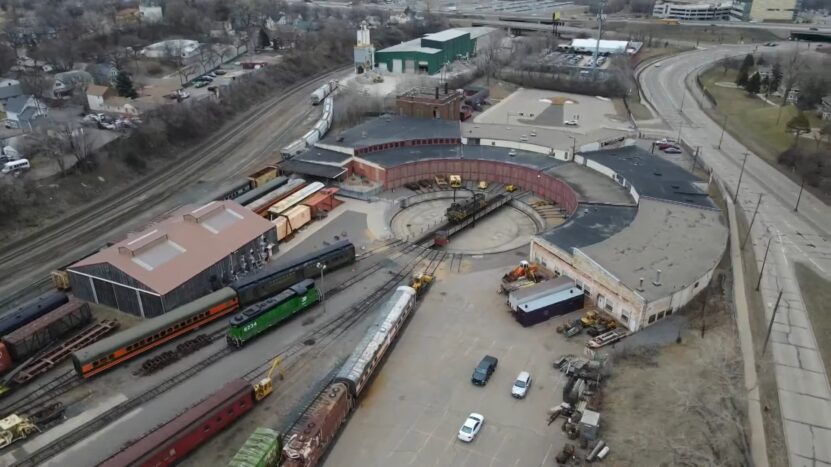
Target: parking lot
414	408
574	60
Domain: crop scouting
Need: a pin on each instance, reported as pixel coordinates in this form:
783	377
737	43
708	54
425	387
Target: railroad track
155	189
45	392
329	331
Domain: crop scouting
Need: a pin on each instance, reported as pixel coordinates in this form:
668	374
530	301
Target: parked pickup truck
484	370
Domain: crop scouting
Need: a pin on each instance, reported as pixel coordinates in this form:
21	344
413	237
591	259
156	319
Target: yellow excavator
264	387
421	282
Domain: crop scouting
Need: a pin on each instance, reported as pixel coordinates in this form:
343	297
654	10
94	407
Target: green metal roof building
429	53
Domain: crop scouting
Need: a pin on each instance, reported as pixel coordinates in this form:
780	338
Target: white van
15	166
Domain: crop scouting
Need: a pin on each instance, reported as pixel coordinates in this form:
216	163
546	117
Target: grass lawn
751	120
816	292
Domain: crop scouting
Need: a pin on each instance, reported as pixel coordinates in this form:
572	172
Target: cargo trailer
539	290
290	221
295	199
549	306
262	176
47	330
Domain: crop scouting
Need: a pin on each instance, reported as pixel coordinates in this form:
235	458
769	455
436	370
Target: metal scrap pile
582	400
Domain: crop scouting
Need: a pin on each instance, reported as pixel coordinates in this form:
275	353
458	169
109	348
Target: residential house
103	74
9	88
105	99
67	82
825	108
23	111
220	29
274	24
151	13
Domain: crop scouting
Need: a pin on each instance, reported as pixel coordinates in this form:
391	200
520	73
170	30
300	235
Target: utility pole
683	96
599	34
764	261
770	326
679	132
799	197
739	185
752	220
695	159
723	125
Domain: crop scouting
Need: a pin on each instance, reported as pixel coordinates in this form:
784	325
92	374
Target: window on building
609	306
661	314
624	318
669	312
651	319
587	290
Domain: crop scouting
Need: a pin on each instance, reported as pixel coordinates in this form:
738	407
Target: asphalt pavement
804	392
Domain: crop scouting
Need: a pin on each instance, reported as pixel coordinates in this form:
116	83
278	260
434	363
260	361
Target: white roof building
606	46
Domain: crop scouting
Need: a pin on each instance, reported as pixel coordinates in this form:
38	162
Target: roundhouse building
642	236
191	253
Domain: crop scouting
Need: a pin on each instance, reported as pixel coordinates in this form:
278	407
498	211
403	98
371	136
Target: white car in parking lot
471	427
521	385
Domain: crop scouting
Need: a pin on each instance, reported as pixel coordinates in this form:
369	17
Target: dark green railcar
260	317
262	449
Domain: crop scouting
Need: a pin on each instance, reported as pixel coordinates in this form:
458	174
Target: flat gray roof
545	136
683	241
590	224
389	128
398	156
313	169
322	156
591	186
410	46
654	176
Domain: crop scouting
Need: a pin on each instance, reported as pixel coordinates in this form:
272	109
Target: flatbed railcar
260	317
114	350
283	274
30	311
310	438
176	439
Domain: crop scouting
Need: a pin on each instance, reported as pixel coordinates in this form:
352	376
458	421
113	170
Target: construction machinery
14	428
510	188
589	318
421	282
525	269
441	181
264	387
483	185
455	181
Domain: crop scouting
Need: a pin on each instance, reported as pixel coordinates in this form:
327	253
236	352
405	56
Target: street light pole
739	185
770	326
681	126
764	261
322	267
753	219
799	197
723	125
683	96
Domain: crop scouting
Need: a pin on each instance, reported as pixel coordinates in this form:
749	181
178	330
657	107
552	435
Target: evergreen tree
124	85
748	62
741	80
799	125
754	84
775	78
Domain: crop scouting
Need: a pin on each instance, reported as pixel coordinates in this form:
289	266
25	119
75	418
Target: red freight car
310	438
47	330
5	358
173	441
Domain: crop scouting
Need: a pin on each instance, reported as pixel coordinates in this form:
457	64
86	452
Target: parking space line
550	447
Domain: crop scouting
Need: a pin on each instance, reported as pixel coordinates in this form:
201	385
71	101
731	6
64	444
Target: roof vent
657	281
640	287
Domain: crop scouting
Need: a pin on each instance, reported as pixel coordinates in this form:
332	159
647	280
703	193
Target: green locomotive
262	316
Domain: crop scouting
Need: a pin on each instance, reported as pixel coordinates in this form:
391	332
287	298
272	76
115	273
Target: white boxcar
322	126
318	95
368	354
327	117
311	137
293	149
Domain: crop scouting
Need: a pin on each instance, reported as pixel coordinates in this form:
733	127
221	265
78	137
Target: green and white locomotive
260	317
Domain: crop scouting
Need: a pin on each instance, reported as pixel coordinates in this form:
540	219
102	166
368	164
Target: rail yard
323	300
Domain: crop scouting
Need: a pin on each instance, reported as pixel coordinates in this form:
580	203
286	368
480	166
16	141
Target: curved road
797	237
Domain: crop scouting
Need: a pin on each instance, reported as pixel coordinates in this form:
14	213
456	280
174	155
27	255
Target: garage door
409	66
397	66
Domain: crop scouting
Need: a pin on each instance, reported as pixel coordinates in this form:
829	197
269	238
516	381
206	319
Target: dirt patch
683	403
816	293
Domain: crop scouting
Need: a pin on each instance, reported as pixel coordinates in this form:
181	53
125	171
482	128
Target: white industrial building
364	52
175	48
606	46
693	11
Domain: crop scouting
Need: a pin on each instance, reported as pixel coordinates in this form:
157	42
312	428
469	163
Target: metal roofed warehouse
431	52
191	253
